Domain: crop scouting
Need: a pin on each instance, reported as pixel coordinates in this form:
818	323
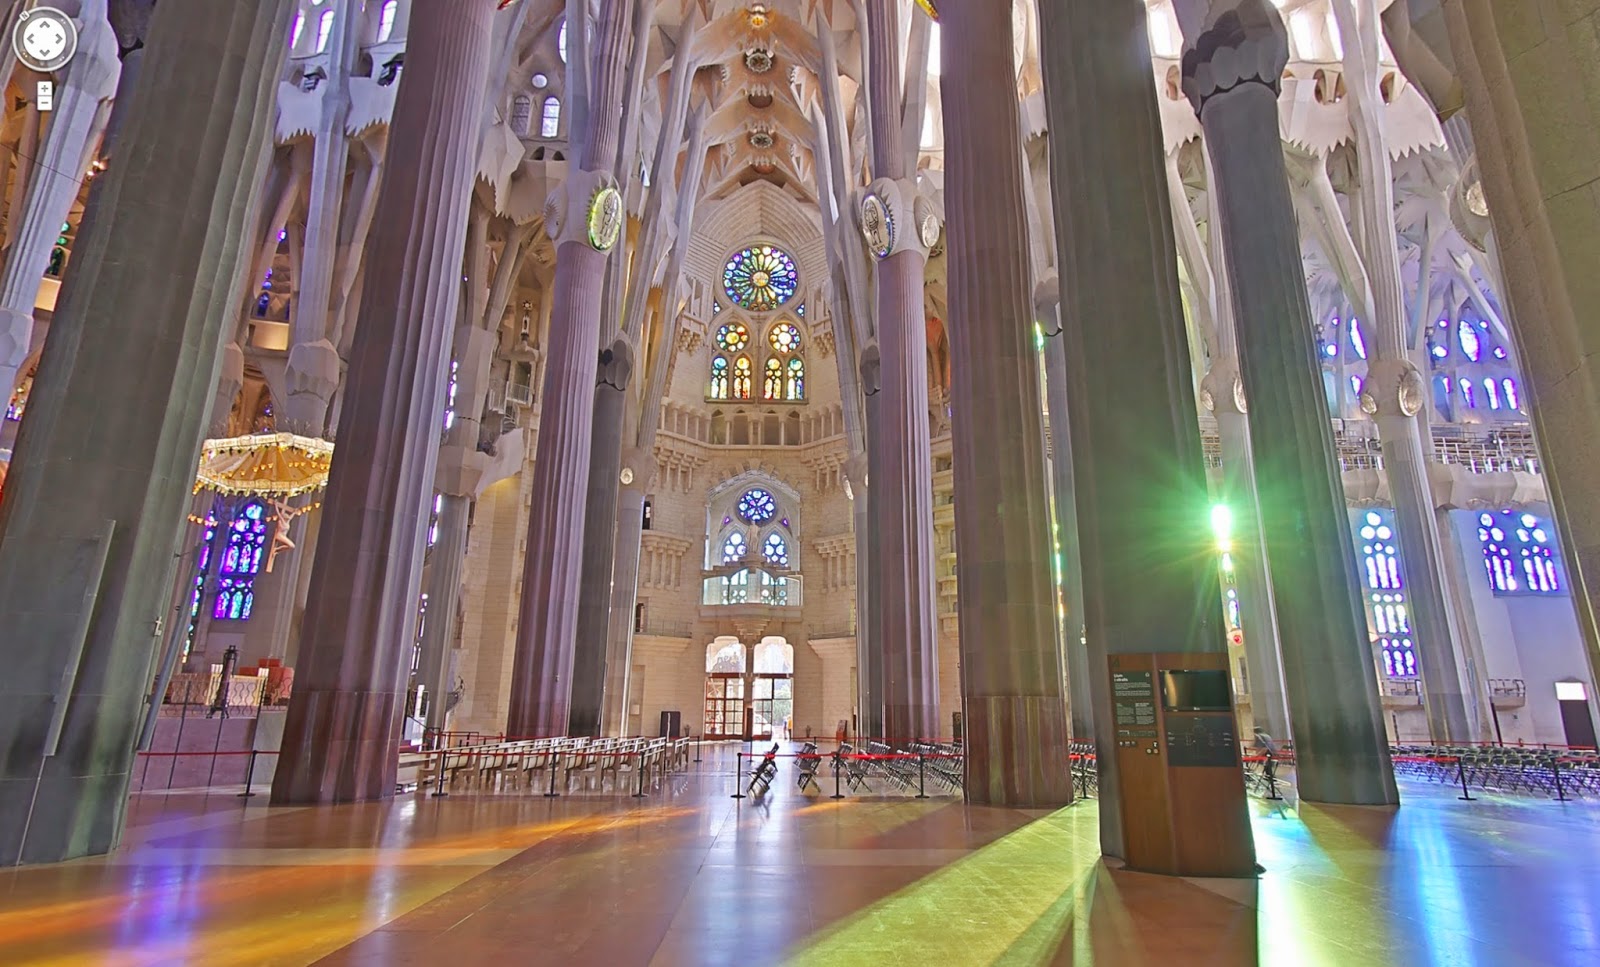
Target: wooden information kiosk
1177	753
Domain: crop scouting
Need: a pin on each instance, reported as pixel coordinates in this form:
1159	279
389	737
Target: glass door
771	705
725	705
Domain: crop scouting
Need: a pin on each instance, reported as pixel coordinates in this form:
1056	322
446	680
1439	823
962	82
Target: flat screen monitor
1196	691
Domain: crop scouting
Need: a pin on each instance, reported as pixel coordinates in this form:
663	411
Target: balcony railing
753	585
1478	451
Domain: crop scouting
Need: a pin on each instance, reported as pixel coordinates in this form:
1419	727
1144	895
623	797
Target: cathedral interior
803	481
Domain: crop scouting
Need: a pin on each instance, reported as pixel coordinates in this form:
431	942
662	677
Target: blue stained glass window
757	506
795	384
760	278
1386	600
202	570
1467	392
775	551
719	378
733	548
1513	401
1491	389
1519	553
242	557
1357	341
1470	343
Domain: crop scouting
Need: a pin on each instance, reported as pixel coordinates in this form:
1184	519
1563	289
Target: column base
324	767
1017	751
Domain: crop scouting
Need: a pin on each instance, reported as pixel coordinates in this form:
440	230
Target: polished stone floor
689	876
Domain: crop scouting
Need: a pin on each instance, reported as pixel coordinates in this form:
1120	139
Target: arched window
732	337
774	656
1519	553
733	548
719	377
521	114
784	338
386	20
775	551
202	570
295	31
1468	337
795	386
772	383
1513	401
241	562
550	119
725	655
561	42
324	28
742	378
1379	548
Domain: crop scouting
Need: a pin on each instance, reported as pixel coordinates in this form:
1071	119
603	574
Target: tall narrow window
772	383
433	519
1513	401
1519	553
561	42
1491	391
795	385
241	562
386	20
324	28
742	378
295	31
202	571
1386	600
521	114
733	548
550	119
450	395
774	551
719	378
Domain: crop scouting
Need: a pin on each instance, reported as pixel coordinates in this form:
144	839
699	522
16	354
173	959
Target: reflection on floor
690	876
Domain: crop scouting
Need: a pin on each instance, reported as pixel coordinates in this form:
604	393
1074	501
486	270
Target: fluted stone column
1395	392
1011	667
541	672
1533	100
83	103
361	615
161	245
599	534
640	464
1234	57
1080	708
865	471
903	492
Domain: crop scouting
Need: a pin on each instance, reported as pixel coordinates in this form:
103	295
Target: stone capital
461	469
1230	44
566	212
616	365
855	473
642	462
871	366
1393	388
1222	388
913	220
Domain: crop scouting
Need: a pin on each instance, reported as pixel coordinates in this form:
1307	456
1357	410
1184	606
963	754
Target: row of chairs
1569	773
533	764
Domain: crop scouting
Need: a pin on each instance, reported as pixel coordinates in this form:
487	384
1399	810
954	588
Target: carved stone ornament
758	60
626	476
928	224
877	226
1247	44
1393	388
605	218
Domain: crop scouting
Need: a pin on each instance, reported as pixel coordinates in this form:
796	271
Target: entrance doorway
744	702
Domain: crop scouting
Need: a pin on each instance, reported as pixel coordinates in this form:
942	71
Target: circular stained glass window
785	338
733	337
760	278
757	506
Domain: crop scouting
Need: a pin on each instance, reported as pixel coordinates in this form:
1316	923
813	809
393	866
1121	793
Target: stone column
95	483
1394	392
1065	528
361	614
83	102
599	533
1533	101
866	469
1011	667
314	364
1234	57
903	491
541	673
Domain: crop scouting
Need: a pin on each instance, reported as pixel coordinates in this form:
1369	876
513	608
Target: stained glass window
1467	392
733	337
742	373
772	384
760	278
795	387
241	562
1491	389
1357	341
784	338
1513	401
324	27
774	551
757	506
1518	553
1386	600
733	548
1470	344
550	117
386	20
719	378
202	570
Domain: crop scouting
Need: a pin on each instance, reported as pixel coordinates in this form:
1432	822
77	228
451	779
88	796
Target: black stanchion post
697	744
1555	766
738	775
922	789
438	785
838	769
1461	774
555	763
249	775
640	793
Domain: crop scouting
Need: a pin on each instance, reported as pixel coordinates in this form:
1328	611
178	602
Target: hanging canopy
264	465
